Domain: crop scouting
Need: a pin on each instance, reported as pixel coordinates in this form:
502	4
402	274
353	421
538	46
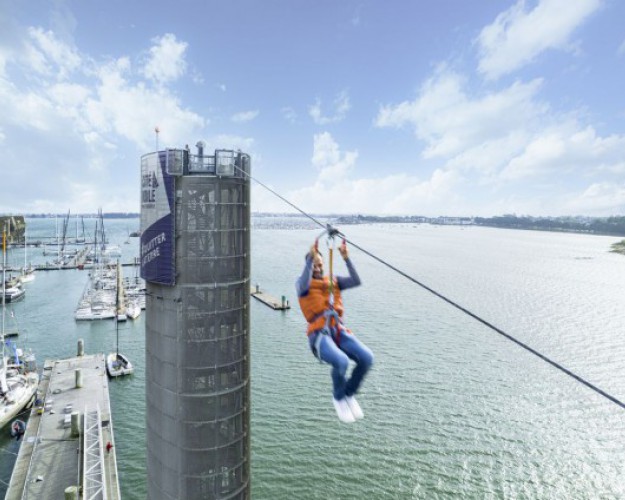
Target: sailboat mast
116	336
95	245
4	298
58	242
65	226
117	310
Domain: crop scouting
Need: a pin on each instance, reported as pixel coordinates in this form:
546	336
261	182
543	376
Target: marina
109	295
80	267
47	464
448	406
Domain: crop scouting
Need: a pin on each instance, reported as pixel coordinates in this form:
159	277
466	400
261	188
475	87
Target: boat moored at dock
13	294
118	364
16	392
18	379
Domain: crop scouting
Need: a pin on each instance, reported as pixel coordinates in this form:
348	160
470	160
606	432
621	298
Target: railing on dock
94	480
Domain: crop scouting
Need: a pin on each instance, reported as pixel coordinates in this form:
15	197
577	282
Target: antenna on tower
156	131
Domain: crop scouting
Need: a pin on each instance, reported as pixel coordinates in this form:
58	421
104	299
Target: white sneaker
343	411
354	407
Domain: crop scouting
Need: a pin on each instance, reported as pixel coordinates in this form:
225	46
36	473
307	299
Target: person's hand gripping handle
343	250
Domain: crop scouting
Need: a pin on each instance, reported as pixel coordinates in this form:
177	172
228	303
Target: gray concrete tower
195	257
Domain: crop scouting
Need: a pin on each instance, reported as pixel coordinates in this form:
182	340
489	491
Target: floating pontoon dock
269	300
65	445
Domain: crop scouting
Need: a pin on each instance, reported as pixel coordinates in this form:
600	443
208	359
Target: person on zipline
322	306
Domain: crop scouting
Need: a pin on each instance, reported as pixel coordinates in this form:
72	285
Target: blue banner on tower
158	264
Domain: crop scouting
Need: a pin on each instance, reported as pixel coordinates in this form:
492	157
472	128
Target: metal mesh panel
202	353
219	485
197	347
210	435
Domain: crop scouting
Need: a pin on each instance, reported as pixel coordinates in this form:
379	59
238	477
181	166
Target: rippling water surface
452	408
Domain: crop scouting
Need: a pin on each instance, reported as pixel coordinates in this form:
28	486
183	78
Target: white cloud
341	107
332	164
90	121
50	56
541	153
566	149
337	188
4	56
503	136
133	110
518	36
289	114
166	62
509	142
600	198
244	116
450	121
68	95
393	194
25	109
487	157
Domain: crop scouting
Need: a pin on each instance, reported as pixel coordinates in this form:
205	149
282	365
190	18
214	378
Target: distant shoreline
619	247
603	226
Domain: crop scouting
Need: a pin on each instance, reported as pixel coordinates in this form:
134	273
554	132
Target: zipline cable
283	198
492	327
332	231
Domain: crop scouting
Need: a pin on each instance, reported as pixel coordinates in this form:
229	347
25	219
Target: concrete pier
52	459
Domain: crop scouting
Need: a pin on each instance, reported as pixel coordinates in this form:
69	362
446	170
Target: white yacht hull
22	389
118	365
13	294
133	310
27	278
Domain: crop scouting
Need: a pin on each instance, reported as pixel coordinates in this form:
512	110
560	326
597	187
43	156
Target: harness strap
327	330
330	312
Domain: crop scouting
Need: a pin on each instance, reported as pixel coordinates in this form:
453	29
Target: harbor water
452	409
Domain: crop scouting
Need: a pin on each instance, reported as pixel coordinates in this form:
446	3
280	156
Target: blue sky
443	107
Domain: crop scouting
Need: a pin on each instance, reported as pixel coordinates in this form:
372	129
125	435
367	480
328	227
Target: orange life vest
317	301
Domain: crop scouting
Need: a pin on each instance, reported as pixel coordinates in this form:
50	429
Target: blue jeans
349	347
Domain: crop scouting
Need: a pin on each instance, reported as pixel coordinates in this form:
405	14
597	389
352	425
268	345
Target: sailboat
117	364
133	309
12	293
18	378
28	271
120	303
